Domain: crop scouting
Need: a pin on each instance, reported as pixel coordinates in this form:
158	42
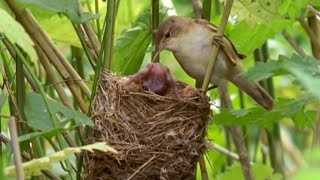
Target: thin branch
313	10
220	149
311	34
155	24
16	148
197	9
215	48
236	135
294	44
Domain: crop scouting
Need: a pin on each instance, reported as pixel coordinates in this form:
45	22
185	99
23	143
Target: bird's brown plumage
191	43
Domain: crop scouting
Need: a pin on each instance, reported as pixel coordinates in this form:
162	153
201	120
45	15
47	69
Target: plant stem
16	148
206	9
293	44
155	24
109	34
215	48
273	136
236	134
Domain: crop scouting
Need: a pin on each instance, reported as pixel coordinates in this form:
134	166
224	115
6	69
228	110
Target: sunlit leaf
131	46
16	34
34	167
69	8
263	118
38	117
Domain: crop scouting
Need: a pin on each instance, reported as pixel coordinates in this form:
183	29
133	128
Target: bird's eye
168	35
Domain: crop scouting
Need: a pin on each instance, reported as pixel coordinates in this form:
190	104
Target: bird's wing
226	45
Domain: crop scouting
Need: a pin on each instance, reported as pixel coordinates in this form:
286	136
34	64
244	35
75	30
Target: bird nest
157	137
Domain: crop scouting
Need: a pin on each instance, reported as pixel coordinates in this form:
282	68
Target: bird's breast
194	54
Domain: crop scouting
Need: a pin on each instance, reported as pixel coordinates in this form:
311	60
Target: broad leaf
38	117
69	8
263	118
34	167
16	34
131	46
306	71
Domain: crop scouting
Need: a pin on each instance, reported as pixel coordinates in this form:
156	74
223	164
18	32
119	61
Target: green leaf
34	167
16	34
68	8
260	172
261	117
131	46
38	117
305	71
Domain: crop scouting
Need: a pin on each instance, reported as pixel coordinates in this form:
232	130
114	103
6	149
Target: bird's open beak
159	48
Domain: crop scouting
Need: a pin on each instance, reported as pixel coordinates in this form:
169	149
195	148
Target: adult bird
191	41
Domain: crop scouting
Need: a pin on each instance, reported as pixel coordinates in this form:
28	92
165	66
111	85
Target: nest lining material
158	137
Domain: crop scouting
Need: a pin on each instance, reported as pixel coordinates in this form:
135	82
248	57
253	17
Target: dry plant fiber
158	137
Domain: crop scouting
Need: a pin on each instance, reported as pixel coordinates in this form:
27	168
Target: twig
215	48
220	149
16	148
197	10
313	10
293	44
311	34
143	165
155	24
203	168
236	135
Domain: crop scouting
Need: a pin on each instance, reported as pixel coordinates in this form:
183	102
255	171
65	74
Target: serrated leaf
69	8
38	118
261	117
34	167
16	34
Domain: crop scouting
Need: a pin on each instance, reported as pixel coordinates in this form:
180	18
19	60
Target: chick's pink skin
155	77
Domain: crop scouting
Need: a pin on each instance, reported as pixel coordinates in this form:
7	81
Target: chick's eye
168	35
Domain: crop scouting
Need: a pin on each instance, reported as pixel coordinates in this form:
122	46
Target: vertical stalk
96	9
206	9
109	34
273	136
16	148
155	24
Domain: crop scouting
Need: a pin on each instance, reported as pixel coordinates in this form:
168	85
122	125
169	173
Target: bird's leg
218	41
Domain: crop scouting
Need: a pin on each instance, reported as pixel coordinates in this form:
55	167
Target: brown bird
191	43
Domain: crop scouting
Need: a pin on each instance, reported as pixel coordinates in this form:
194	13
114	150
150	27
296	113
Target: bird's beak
159	48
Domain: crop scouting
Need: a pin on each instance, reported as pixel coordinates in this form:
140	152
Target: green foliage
260	172
69	8
260	20
38	117
131	46
306	71
263	118
35	166
16	34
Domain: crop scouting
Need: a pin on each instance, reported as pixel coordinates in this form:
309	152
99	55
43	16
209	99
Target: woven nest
158	137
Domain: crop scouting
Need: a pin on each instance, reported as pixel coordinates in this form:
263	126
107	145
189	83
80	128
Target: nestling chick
155	77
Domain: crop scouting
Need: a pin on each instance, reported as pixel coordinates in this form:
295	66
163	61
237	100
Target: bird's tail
254	90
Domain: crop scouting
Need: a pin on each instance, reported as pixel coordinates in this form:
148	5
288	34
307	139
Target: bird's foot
218	40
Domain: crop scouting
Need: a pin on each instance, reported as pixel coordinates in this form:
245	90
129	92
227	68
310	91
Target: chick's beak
159	48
